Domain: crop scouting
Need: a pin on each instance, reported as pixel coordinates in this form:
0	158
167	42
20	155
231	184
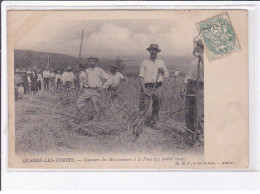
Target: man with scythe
153	72
194	88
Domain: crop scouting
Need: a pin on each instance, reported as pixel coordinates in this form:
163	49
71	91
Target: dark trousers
68	84
26	88
16	93
34	86
39	85
46	83
190	111
58	84
156	98
76	82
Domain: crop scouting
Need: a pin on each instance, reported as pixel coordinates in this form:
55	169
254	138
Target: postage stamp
219	36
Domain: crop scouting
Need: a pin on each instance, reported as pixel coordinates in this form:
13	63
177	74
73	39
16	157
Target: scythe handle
196	102
151	98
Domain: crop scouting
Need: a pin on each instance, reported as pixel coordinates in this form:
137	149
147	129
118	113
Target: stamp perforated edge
225	55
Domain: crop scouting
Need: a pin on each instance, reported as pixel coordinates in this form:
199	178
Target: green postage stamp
219	36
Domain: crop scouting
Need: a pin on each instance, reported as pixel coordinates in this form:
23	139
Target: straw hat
93	58
154	46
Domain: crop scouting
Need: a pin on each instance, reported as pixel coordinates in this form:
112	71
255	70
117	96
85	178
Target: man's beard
153	56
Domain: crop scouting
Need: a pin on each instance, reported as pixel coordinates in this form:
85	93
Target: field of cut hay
38	129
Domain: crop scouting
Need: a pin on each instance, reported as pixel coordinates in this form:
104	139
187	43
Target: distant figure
17	81
20	90
67	78
17	77
52	79
25	83
176	74
46	78
82	76
29	81
58	81
34	81
112	84
40	80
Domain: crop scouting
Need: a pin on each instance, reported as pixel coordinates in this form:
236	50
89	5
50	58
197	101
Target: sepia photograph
93	87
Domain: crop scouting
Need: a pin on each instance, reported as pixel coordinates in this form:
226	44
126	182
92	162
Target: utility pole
80	48
48	61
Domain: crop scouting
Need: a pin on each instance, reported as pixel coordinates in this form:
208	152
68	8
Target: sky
110	37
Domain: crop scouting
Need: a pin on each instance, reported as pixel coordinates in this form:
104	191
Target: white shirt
17	79
149	69
46	74
34	74
67	76
82	76
29	79
114	80
192	73
57	76
39	77
21	89
95	76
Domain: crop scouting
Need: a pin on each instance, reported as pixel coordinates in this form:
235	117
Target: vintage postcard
128	89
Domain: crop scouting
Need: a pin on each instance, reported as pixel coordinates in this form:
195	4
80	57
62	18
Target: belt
151	85
93	88
195	82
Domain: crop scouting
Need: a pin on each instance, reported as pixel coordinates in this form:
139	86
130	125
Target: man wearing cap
46	78
149	70
67	77
92	88
112	84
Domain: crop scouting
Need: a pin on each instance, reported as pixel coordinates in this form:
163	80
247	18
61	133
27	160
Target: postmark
219	36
